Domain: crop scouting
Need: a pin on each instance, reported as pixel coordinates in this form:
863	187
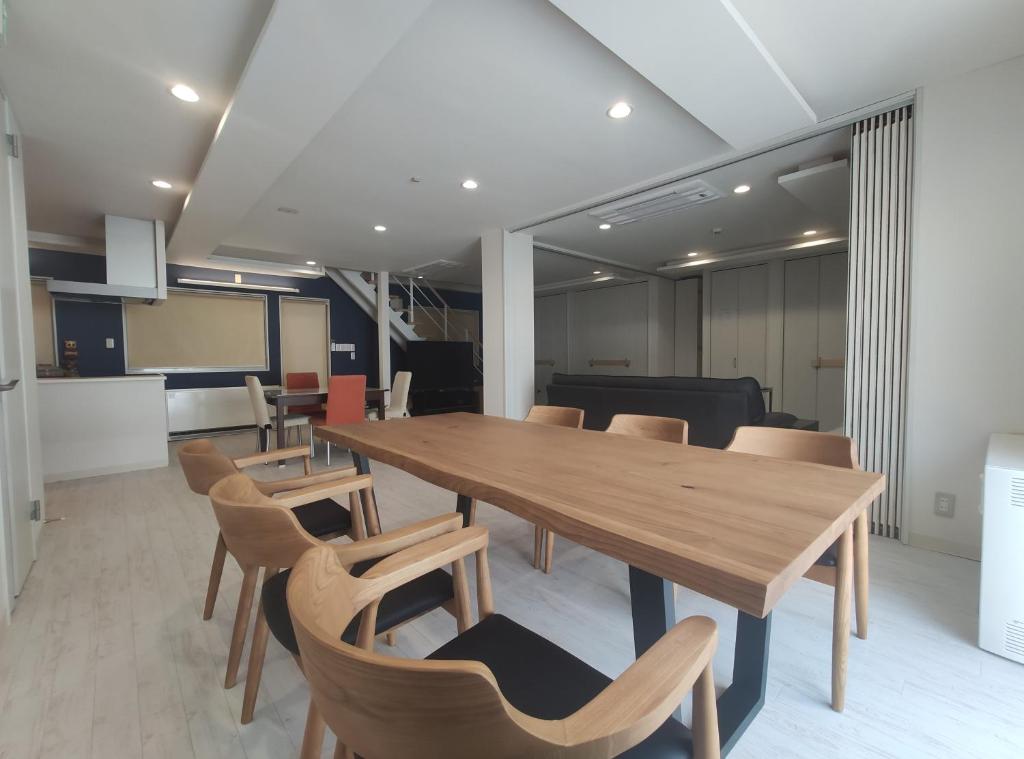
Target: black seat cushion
830	557
417	597
323	517
545	681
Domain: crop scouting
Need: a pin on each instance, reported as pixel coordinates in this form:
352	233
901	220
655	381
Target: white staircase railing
425	302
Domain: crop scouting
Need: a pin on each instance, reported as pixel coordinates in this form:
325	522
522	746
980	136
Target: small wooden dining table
282	398
736	527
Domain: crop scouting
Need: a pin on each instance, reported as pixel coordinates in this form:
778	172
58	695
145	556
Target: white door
688	328
18	435
724	323
305	337
814	335
609	330
550	341
752	323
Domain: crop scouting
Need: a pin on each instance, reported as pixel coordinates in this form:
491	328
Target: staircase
418	312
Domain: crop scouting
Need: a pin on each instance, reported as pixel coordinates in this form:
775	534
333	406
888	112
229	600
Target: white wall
966	369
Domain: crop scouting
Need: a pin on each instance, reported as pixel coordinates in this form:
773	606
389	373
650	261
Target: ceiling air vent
1015	637
435	268
664	200
1017	491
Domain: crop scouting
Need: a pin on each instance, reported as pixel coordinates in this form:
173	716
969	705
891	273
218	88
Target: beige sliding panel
195	330
43	324
305	337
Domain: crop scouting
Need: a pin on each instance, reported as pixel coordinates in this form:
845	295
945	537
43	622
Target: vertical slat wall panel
877	303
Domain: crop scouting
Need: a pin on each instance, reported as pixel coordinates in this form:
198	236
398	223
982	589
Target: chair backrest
204	465
258	532
400	391
651	427
796	445
346	399
407	707
301	380
258	401
556	416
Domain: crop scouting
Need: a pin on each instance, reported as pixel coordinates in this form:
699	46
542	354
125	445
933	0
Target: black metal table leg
653	605
463	505
362	465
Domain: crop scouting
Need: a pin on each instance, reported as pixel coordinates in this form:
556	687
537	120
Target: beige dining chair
838	451
398	405
662	428
267	421
497	690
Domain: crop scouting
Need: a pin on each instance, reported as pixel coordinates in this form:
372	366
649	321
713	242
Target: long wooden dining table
735	527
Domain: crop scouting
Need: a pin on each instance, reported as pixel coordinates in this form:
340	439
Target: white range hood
136	266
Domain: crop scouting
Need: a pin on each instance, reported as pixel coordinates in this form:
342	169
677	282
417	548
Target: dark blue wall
91	323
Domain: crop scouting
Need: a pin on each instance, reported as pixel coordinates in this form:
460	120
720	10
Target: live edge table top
735	527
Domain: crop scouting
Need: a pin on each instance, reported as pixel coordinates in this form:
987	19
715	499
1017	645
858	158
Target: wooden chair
556	416
262	532
265	421
346	403
497	690
832	450
635	425
661	428
204	465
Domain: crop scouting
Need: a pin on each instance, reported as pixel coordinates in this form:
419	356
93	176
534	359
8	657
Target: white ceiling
334	106
767	214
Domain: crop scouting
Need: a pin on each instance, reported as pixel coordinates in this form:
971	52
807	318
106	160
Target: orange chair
304	381
346	402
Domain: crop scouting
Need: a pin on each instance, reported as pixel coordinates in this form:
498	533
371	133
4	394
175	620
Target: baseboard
100	471
940	545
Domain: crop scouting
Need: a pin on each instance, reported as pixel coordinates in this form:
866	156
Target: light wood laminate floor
107	655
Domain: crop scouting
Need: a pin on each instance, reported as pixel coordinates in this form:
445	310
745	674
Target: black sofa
714	408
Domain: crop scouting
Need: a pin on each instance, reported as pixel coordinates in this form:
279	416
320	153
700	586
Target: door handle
8	386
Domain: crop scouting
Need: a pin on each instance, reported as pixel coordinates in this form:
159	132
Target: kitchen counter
91	426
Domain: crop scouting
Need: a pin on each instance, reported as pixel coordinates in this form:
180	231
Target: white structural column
384	329
507	280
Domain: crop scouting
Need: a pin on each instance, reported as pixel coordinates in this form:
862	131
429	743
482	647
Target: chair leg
249	577
312	444
549	551
463	606
216	570
841	618
327	444
705	717
860	573
391	638
538	541
257	655
341	751
313	738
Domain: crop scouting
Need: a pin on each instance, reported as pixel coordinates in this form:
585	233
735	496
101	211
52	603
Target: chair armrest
397	540
646	694
266	458
324	490
406	565
272	487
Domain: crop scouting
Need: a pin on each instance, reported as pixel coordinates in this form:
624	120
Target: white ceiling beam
311	56
704	56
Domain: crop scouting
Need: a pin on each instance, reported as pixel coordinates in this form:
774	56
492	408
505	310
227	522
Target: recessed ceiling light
380	228
620	110
810	232
693	254
470	184
740	189
287	209
419	276
604	227
162	184
184	92
310	263
597	272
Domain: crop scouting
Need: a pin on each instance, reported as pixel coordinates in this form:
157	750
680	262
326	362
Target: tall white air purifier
1001	618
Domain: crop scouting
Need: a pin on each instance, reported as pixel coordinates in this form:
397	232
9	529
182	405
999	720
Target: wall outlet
109	342
945	504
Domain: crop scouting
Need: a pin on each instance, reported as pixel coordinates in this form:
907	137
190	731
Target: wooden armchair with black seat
205	465
498	690
838	451
265	532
